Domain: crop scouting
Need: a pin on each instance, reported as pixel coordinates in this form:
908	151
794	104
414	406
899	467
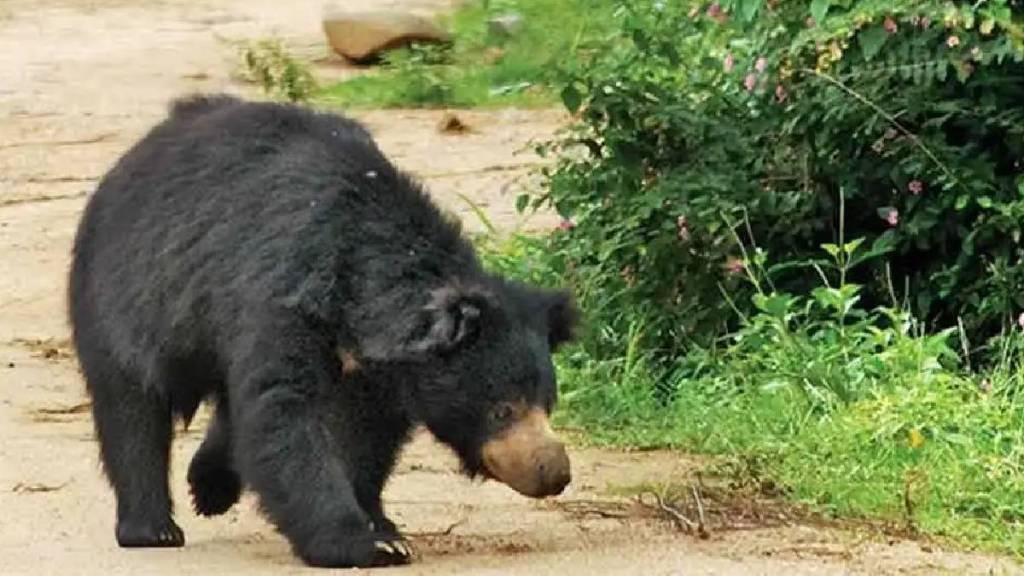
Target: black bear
270	259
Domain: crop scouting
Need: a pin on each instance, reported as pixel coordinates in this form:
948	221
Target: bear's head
480	376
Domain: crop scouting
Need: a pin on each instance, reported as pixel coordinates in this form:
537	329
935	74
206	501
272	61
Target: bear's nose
528	457
553	468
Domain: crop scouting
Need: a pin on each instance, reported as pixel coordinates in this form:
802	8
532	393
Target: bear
268	258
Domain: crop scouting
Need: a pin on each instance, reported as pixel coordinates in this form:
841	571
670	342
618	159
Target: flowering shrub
702	128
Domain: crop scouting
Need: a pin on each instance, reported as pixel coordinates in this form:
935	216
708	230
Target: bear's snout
528	457
553	468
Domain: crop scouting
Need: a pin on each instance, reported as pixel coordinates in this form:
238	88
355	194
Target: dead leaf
452	124
23	488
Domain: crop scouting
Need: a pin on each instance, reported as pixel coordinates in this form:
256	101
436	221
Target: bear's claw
393	552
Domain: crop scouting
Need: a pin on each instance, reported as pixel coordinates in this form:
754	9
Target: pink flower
729	63
890	25
761	64
780	93
1020	320
682	229
985	386
925	22
916	187
566	224
750	81
734	266
810	23
715	10
893	217
953	41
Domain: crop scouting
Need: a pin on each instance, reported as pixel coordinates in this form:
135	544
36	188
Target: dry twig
702	529
446	532
678	518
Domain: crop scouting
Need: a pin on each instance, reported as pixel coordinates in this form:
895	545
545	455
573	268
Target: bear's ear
563	318
450	319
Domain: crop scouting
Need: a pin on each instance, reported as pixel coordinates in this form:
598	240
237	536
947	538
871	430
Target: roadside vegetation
794	228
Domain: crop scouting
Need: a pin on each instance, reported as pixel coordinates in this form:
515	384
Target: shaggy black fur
232	255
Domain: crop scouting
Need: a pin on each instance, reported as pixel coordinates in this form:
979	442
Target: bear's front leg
286	451
380	438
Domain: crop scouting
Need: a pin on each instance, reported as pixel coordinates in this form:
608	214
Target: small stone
505	26
363	36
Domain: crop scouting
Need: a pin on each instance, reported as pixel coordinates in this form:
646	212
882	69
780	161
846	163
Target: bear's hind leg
214	483
134	427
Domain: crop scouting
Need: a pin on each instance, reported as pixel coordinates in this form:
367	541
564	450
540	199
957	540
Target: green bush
481	68
722	160
852	411
702	125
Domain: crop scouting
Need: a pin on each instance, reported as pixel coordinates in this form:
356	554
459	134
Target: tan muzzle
528	457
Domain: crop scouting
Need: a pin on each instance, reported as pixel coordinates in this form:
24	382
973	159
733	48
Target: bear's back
228	203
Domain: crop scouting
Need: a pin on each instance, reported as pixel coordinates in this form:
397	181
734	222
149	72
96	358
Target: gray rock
362	36
506	25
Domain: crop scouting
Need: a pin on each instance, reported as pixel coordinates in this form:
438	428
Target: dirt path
80	80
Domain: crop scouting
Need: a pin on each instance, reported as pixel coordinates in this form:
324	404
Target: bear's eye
502	413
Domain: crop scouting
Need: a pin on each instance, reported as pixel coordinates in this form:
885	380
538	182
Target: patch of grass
480	68
853	413
933	453
518	256
268	63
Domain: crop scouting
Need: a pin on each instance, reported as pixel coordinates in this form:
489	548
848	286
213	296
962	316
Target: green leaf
968	19
985	202
871	41
670	52
521	201
572	98
775	385
760	258
882	245
749	9
961	201
832	249
830	298
819	9
777	305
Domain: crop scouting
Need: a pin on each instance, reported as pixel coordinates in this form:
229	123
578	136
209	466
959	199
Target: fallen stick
702	530
680	519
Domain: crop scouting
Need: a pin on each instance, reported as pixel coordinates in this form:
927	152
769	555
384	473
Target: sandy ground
80	80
